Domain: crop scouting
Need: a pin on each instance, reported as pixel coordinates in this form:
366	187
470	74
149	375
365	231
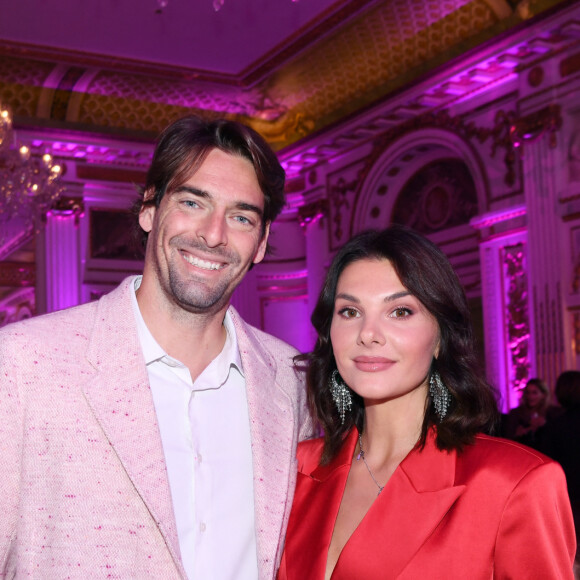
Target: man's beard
196	295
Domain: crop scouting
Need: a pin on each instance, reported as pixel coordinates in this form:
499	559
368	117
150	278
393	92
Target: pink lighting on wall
516	316
489	219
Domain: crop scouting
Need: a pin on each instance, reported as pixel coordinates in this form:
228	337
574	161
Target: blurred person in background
522	423
560	439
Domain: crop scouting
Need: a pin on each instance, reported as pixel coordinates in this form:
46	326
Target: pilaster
545	259
58	257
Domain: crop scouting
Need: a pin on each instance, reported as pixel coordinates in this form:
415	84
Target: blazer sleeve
536	536
10	451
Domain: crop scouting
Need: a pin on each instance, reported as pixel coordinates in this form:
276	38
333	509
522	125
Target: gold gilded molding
358	60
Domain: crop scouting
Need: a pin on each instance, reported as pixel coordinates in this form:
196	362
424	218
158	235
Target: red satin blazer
497	510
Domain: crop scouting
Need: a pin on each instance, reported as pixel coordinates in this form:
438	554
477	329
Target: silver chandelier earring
440	395
340	395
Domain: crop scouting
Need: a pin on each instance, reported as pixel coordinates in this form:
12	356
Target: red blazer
497	510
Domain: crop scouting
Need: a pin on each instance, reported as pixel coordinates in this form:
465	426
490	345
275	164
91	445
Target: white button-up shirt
205	431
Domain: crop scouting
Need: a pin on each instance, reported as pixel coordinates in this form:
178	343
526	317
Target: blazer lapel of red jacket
317	498
415	500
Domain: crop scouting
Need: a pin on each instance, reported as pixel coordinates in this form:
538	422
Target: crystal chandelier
29	183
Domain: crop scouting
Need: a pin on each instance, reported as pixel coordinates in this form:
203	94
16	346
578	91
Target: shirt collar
152	351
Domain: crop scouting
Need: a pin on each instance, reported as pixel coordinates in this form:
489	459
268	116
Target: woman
522	422
403	484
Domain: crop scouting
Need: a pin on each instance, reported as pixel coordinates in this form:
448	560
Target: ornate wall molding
438	196
535	125
68	206
19	305
17	274
310	213
517	323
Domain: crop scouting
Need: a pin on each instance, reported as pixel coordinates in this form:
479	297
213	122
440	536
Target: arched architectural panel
438	196
397	165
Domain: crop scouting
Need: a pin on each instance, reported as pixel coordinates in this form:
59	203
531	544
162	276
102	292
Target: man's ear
147	211
262	246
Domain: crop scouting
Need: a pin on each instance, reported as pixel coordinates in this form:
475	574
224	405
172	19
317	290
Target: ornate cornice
361	54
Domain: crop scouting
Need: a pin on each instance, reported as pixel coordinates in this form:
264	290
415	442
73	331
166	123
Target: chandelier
29	182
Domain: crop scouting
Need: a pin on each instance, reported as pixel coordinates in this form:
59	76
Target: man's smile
203	264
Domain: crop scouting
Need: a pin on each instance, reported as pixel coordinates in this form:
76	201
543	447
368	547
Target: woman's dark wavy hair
427	274
183	146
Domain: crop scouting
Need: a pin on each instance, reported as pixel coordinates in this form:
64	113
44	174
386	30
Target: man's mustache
225	254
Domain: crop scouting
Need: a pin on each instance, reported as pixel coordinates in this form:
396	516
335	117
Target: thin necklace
361	455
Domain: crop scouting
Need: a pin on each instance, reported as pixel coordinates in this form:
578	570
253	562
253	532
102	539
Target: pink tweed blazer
84	490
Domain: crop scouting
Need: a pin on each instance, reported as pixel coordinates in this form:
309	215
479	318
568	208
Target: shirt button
202	527
199	458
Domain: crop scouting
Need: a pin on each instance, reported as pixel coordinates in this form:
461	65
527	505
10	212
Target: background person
404	484
561	441
152	434
522	422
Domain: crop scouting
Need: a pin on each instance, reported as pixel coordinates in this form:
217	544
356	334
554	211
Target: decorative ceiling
288	68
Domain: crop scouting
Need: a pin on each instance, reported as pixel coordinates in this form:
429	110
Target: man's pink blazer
83	483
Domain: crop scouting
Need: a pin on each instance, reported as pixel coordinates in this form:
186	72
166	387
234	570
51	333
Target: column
545	259
58	257
314	222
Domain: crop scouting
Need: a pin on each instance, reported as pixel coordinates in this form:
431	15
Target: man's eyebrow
250	207
192	190
241	205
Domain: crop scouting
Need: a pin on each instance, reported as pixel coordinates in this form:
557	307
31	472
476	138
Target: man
153	434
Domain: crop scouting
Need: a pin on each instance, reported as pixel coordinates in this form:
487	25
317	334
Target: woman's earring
340	395
440	395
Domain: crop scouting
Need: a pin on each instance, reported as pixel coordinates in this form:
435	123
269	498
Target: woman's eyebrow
389	298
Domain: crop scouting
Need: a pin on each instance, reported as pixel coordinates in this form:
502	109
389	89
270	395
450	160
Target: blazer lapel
272	433
317	500
415	500
120	398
